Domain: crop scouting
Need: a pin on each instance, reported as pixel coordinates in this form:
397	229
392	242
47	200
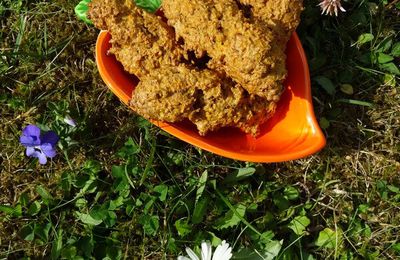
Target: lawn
122	188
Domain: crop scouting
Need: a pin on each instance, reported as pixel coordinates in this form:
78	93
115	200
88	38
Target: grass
121	188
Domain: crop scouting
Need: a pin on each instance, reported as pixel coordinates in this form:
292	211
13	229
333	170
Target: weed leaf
149	5
328	238
384	58
347	89
87	219
231	219
201	185
326	84
364	38
150	224
35	208
299	224
7	209
162	190
81	11
183	227
396	50
46	196
57	245
390	67
241	174
200	210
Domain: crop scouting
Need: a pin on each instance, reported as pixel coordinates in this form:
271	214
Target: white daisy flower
331	7
223	252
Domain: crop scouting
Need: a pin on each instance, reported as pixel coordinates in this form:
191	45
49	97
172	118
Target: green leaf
291	193
92	167
66	182
150	224
69	252
347	89
35	208
396	247
269	251
118	172
390	67
215	241
389	80
326	84
200	210
355	102
299	224
27	233
201	185
396	50
231	219
86	245
80	203
115	204
241	174
46	196
385	45
393	189
363	208
24	199
7	209
384	58
272	249
81	11
183	227
42	232
248	254
17	210
111	219
87	219
129	149
281	202
99	212
328	238
162	190
57	245
149	5
364	38
265	238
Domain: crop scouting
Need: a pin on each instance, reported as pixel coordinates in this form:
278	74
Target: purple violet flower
39	145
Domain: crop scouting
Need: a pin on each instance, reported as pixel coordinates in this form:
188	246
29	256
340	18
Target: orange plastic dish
292	133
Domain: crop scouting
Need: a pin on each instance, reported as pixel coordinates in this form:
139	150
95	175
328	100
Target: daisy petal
228	254
183	258
223	252
206	251
191	254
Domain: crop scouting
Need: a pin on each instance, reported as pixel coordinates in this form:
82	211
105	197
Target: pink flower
331	7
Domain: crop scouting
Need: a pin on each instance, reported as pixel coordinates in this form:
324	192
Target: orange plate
292	133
